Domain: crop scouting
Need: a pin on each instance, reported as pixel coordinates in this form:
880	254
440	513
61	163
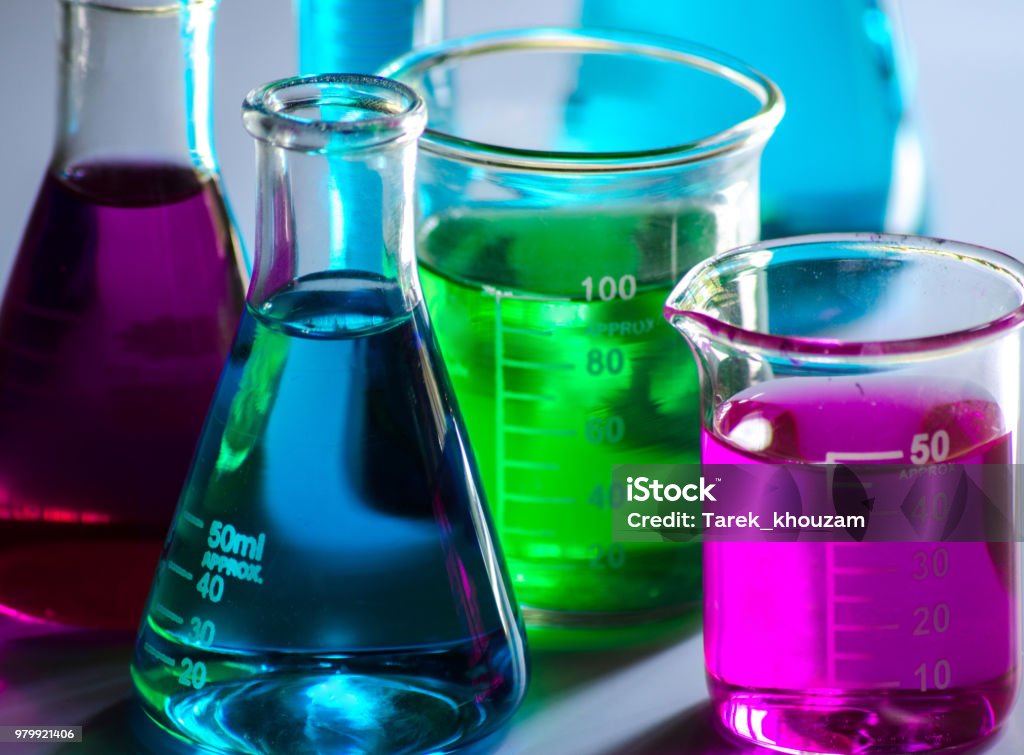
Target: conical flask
331	583
119	312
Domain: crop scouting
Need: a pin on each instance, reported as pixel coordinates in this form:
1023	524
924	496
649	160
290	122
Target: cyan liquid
358	36
846	155
329	585
860	647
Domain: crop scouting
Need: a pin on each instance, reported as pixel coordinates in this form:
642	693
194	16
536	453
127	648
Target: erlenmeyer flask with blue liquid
331	582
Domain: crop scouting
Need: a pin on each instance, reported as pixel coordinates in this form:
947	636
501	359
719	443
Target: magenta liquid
860	647
121	306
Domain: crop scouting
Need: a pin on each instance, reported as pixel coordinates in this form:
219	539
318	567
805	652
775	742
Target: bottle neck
135	84
339	213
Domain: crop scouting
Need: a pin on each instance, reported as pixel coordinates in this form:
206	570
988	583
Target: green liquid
555	389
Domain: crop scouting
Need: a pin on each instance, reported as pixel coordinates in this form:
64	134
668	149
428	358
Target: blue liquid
845	157
358	36
356	605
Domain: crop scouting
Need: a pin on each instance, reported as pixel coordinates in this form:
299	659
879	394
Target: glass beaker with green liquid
547	244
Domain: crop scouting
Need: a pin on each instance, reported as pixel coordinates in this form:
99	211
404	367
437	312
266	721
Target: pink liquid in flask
114	327
860	647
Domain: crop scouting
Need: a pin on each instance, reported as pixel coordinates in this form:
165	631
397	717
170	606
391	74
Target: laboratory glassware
848	156
547	243
359	36
859	647
331	581
119	312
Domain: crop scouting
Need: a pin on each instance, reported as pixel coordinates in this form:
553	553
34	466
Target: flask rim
752	131
684	307
379	112
142	7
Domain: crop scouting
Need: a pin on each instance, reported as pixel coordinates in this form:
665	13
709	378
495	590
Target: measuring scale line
499	294
164	610
830	615
853	656
527	331
194	520
834	457
560	432
523	364
535	465
865	627
524	498
499	410
163	658
183	573
530	532
511	396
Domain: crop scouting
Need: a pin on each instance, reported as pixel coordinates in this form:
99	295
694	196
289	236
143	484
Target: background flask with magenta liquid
874	647
119	311
331	581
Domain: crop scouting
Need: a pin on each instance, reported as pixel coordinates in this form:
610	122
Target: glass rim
551	39
266	116
142	7
829	349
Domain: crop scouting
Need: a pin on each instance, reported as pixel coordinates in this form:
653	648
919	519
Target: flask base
402	701
327	712
876	722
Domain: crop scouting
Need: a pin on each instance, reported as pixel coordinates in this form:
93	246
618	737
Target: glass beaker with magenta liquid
914	359
547	244
120	308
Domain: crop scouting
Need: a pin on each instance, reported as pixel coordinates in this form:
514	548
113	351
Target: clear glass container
331	582
913	360
359	36
117	317
848	156
547	244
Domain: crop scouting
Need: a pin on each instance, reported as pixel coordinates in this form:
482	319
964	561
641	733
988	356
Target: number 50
925	447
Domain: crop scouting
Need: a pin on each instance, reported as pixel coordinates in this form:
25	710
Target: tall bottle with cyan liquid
848	156
360	36
119	311
331	582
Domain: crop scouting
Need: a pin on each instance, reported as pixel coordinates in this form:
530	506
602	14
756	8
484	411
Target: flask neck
336	162
135	83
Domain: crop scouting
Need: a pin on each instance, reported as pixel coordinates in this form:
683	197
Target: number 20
193	674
